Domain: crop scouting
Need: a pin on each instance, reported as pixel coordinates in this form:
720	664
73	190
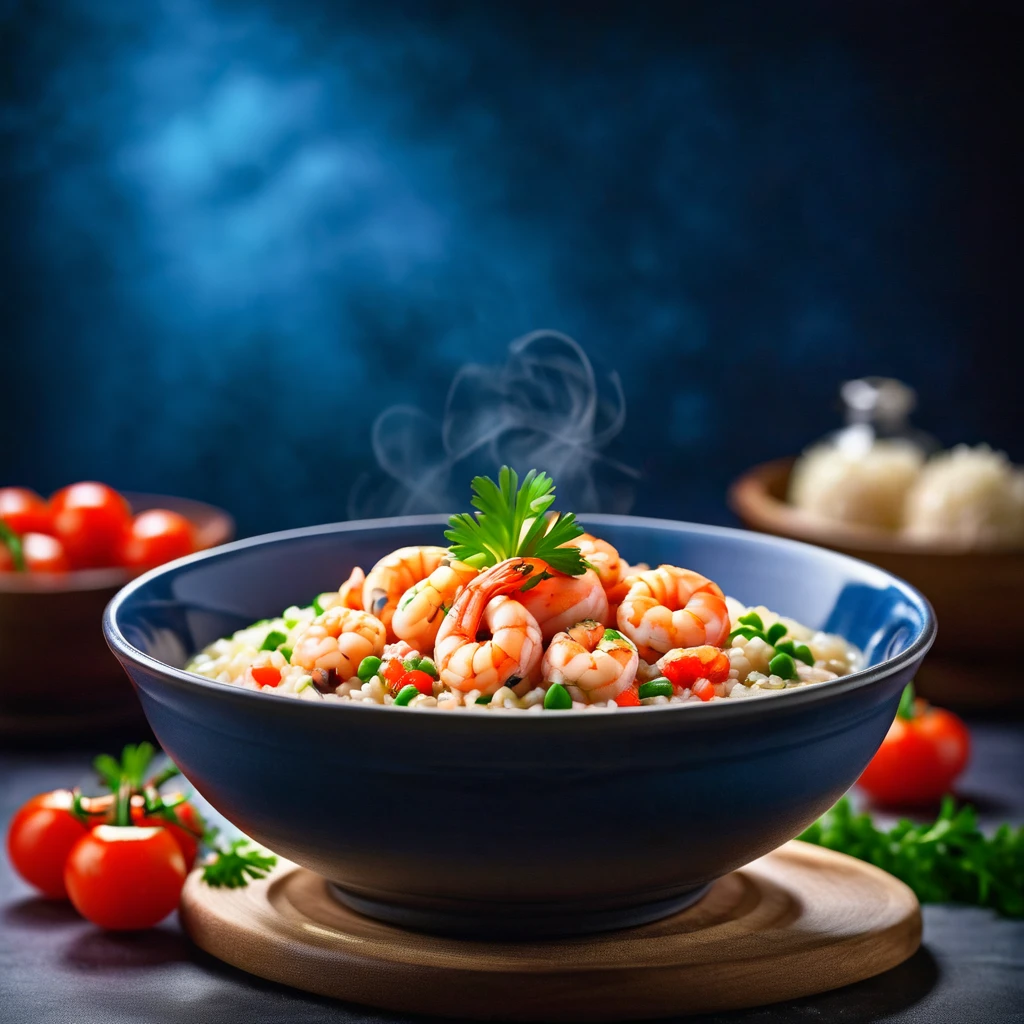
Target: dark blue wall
236	232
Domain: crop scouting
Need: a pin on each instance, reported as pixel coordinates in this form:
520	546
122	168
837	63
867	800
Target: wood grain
798	921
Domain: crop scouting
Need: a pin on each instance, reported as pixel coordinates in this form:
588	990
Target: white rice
231	660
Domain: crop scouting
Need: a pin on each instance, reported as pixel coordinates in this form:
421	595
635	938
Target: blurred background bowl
517	823
972	592
57	675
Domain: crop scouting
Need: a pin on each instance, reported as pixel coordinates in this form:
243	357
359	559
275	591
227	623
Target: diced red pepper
697	663
628	698
421	680
392	672
705	689
266	675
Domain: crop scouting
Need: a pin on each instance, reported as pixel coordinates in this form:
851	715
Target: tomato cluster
87	526
119	877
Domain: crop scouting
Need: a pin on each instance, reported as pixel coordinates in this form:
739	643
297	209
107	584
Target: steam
545	408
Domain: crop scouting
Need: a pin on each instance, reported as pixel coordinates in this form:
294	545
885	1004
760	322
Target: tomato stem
906	708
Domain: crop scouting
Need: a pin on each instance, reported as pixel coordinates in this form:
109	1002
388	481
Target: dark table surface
56	968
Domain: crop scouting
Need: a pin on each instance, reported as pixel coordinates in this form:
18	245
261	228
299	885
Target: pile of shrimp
502	637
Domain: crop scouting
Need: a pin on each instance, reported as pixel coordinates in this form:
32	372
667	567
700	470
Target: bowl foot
544	921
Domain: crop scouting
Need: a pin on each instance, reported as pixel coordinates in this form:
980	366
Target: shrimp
512	656
560	601
394	574
600	663
349	595
422	608
671	607
337	642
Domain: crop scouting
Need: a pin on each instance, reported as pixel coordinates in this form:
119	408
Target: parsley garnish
13	544
512	523
947	861
233	865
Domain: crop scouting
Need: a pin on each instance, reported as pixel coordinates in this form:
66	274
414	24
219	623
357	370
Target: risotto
523	611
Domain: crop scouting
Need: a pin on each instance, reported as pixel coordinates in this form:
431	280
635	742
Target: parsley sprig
13	544
947	861
512	522
236	862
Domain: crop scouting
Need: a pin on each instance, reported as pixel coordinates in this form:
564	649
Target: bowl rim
114	576
713	710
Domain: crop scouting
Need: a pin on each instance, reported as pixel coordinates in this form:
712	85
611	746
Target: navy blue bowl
507	824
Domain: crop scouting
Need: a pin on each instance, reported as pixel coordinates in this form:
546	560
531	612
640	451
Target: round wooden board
798	921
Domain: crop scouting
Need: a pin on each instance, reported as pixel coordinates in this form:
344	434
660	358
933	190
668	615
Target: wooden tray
799	921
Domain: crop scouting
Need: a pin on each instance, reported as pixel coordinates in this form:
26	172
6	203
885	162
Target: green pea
752	619
786	647
659	687
273	640
803	652
782	665
557	698
775	633
318	608
483	700
368	668
748	631
427	665
406	694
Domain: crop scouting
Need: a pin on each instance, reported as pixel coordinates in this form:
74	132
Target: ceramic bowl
57	677
506	824
965	670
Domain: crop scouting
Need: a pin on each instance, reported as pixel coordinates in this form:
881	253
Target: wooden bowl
972	592
57	675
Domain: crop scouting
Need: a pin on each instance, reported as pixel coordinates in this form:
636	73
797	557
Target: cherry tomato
125	878
39	839
628	698
391	673
157	536
186	835
43	553
91	519
24	511
919	758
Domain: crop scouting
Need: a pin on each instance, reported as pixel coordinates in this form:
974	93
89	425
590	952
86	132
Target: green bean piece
406	694
287	652
775	633
427	665
557	698
803	652
782	665
752	619
748	631
483	700
659	687
368	668
273	640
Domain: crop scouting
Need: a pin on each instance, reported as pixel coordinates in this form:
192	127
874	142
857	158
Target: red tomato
41	834
24	511
125	878
919	758
266	675
628	698
186	835
157	536
697	663
43	553
705	689
91	520
391	673
423	681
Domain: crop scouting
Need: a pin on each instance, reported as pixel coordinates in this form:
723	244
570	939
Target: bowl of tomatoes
61	560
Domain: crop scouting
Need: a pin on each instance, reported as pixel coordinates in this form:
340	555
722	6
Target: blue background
235	233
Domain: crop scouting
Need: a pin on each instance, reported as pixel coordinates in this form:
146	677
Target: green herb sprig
235	863
12	542
512	522
947	861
